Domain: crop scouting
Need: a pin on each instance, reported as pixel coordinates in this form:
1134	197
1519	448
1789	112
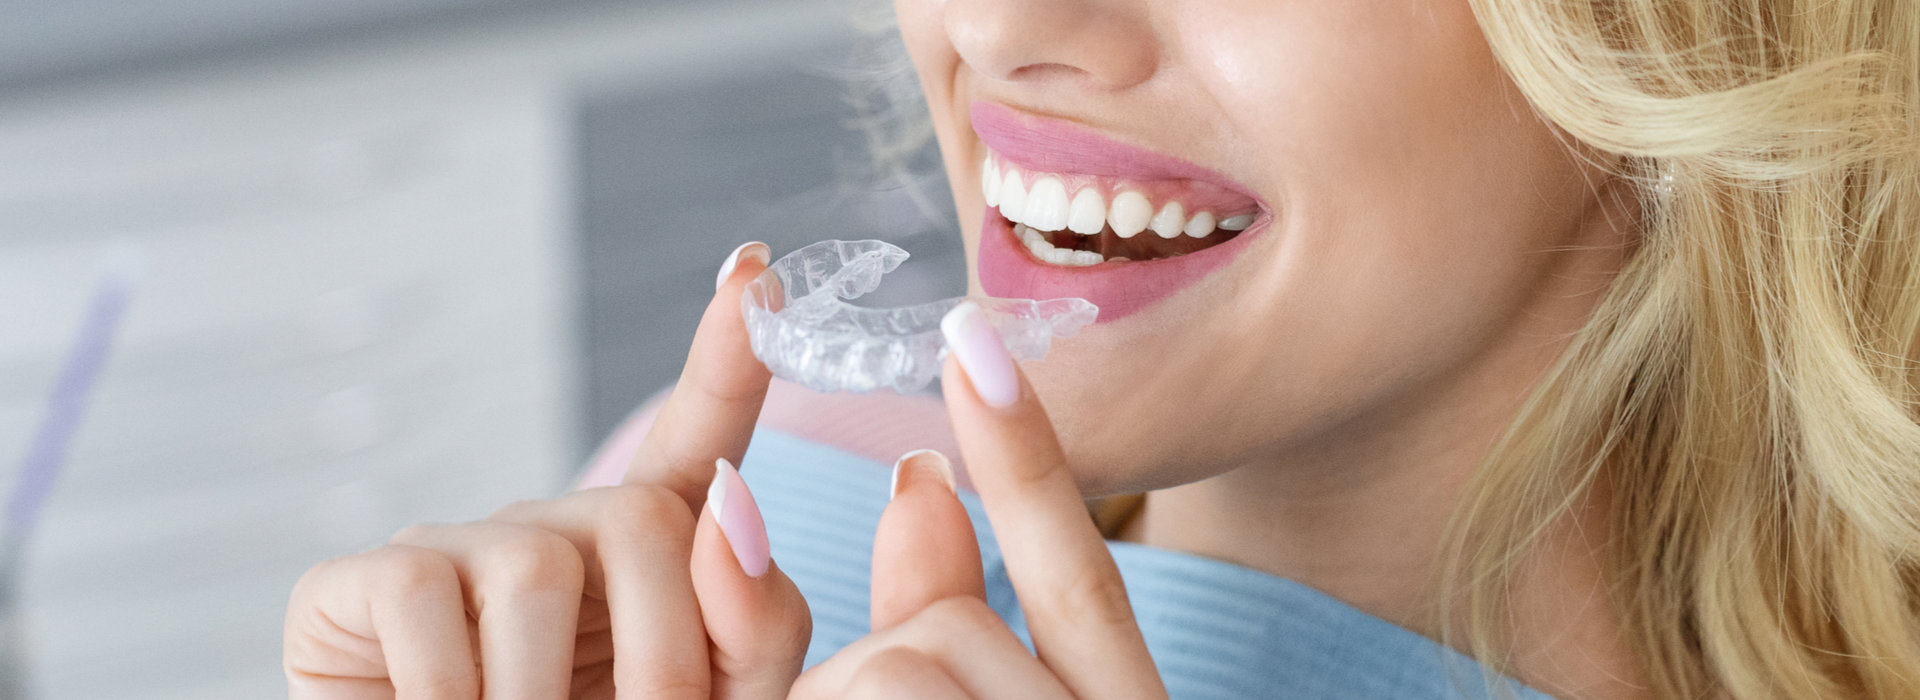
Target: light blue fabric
1215	630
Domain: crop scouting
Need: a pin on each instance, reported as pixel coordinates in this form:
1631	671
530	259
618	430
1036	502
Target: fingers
387	623
924	549
523	585
635	543
757	622
962	636
903	672
713	407
1069	588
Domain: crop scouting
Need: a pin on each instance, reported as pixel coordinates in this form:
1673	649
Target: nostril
1051	72
1057	43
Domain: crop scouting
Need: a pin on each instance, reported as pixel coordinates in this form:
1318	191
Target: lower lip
1120	289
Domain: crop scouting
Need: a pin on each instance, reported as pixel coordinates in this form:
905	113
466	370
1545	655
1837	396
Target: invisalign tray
802	327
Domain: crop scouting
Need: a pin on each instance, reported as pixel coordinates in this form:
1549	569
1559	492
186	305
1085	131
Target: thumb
924	550
757	622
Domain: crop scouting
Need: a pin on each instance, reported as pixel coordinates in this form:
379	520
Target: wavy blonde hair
1748	393
1747	396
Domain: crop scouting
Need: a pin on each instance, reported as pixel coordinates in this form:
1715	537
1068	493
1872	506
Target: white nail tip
717	491
940	463
754	249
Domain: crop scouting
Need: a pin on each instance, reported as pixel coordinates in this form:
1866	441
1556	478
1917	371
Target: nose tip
1101	44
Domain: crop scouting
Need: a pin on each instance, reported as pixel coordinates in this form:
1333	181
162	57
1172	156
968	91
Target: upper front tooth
1170	221
1200	225
1013	197
1129	214
990	182
1088	213
1047	205
1236	223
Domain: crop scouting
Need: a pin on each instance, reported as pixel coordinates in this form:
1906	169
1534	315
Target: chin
1116	438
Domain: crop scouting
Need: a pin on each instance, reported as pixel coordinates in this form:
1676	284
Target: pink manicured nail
739	519
751	249
982	354
916	465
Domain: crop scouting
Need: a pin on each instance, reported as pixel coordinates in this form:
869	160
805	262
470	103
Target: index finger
1069	588
713	407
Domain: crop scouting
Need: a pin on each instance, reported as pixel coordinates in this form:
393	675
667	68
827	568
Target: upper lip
1037	143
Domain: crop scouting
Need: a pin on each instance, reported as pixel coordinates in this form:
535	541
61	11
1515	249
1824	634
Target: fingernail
982	354
917	465
754	250
739	519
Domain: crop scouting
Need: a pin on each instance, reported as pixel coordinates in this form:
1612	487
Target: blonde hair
1747	396
1748	393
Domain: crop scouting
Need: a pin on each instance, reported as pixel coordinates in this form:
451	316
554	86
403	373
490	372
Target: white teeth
1038	245
1088	213
990	182
1047	205
1047	208
1170	221
1029	236
1013	197
1200	225
1129	214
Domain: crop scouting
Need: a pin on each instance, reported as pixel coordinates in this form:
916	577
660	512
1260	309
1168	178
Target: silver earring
1663	182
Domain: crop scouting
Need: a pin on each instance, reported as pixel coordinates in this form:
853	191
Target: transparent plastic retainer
802	327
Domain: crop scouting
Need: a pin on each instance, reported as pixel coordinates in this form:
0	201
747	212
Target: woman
1580	337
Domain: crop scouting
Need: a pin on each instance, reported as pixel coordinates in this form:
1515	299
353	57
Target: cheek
1421	192
1417	192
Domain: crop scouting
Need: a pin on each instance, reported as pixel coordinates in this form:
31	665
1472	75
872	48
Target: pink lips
1120	289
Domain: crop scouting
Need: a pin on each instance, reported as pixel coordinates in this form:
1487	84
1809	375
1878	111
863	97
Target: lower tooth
1041	248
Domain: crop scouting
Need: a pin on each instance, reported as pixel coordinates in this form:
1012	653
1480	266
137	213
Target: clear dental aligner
802	327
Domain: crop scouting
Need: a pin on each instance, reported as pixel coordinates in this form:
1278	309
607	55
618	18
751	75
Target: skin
626	591
1435	245
641	579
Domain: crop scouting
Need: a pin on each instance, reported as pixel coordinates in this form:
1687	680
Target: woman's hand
934	636
636	586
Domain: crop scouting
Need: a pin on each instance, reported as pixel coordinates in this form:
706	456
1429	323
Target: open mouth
1078	220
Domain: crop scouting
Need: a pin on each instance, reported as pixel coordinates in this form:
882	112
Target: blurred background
400	261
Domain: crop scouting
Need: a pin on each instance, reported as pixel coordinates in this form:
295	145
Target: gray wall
673	178
50	41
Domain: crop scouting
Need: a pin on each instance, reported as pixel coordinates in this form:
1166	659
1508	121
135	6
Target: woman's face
1418	236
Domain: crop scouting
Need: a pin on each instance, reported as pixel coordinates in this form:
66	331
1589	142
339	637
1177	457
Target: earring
1663	178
